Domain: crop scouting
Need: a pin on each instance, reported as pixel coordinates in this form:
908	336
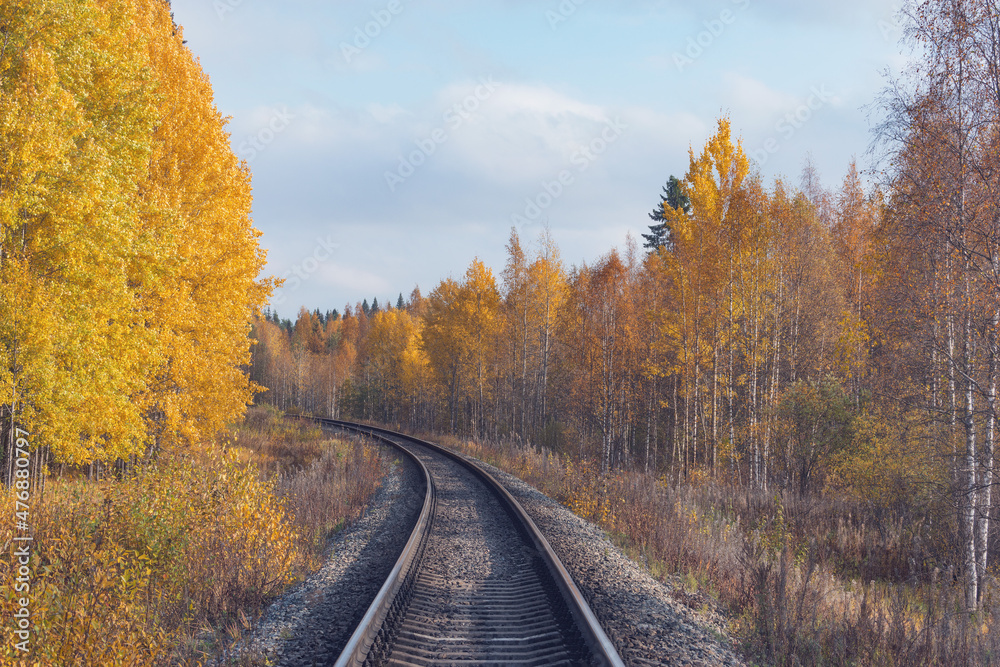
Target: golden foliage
128	261
121	568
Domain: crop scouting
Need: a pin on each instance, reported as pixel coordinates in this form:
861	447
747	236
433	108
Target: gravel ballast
639	614
310	624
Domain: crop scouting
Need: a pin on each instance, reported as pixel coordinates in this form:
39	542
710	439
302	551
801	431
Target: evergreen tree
400	304
365	308
659	232
374	305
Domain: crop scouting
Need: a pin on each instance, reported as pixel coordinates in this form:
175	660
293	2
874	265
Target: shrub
151	569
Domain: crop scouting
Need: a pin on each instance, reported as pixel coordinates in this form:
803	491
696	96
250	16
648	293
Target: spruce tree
674	197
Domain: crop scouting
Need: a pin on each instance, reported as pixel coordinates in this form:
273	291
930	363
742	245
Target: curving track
476	584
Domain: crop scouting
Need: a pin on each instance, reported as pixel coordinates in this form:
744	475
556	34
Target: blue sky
391	142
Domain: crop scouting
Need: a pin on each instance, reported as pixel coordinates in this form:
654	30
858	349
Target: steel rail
373	634
357	650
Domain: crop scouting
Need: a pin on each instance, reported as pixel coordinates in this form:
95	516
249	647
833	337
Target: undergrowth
175	560
803	580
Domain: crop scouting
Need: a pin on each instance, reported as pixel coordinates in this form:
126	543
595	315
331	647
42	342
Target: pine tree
660	233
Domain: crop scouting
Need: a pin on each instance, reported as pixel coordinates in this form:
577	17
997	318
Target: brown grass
804	581
176	560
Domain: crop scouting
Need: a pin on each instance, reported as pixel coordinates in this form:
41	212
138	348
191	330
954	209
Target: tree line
675	357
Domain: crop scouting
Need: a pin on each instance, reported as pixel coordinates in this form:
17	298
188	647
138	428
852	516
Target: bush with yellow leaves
120	570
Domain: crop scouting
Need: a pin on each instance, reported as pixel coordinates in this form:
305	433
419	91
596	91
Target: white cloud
325	172
754	99
386	114
351	279
514	99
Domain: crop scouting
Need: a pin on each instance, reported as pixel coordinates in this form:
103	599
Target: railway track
476	584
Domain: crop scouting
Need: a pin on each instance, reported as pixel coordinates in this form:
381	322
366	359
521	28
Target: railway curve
476	584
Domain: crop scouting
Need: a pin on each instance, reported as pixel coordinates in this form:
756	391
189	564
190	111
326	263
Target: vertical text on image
22	541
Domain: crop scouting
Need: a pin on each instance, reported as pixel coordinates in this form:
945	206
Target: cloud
755	99
325	175
417	95
351	279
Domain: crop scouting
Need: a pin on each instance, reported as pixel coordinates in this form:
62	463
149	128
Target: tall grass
803	580
174	560
325	483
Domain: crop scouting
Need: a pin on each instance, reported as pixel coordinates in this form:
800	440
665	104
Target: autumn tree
706	266
601	337
396	367
461	331
200	205
817	419
516	324
71	335
548	296
127	257
855	219
479	302
534	292
941	134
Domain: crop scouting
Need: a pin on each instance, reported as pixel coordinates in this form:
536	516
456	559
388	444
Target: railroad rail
476	584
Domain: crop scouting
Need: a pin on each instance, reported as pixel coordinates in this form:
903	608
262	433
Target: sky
392	142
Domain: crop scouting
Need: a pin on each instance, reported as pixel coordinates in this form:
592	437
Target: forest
129	273
777	337
784	396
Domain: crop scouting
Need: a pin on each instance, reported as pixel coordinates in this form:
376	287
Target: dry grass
805	581
324	482
176	560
